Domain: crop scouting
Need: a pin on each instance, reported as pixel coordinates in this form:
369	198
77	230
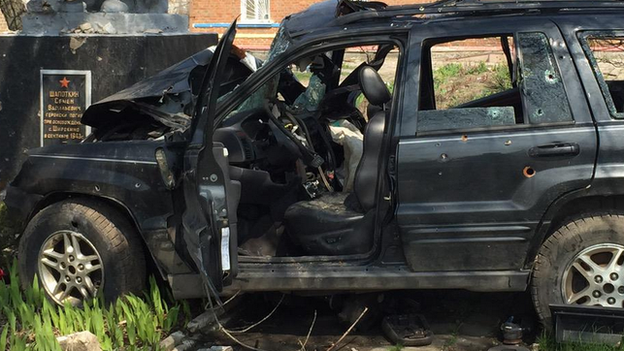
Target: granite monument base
113	62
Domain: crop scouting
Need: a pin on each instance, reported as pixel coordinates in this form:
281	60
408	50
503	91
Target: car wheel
79	249
581	263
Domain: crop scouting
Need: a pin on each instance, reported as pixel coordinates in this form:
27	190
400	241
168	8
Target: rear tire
79	249
581	264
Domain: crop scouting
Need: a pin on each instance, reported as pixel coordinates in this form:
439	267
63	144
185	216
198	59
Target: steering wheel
309	157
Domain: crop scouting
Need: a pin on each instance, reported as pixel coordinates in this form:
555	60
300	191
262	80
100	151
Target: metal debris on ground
513	333
407	330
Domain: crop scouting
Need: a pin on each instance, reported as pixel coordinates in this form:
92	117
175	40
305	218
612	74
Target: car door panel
479	198
209	231
472	199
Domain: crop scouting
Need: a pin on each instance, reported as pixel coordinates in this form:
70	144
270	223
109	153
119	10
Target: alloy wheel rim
595	277
70	268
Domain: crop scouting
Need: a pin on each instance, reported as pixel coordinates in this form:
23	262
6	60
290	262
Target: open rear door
209	222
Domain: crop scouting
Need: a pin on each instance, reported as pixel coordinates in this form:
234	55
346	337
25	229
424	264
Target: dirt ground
460	320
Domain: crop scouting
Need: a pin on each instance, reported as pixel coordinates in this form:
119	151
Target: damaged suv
314	171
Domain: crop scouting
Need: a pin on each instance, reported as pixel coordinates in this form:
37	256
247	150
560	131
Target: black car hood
172	80
150	95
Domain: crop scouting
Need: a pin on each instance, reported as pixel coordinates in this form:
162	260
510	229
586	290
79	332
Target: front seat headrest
373	87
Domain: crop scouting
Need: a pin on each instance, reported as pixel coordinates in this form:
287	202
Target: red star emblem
64	82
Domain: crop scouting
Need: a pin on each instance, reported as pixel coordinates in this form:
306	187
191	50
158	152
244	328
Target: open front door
209	219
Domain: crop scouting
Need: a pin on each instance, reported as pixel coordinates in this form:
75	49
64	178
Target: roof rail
476	8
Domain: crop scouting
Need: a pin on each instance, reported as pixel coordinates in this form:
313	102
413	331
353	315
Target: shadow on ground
460	320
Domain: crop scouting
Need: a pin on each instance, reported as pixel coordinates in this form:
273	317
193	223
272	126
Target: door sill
359	258
350	278
257	277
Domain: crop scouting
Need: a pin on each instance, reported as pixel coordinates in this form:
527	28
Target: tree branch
13	11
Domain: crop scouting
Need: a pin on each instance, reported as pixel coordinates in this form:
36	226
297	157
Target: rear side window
515	81
541	84
606	55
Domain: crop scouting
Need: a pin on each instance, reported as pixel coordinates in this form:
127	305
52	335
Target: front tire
79	249
581	263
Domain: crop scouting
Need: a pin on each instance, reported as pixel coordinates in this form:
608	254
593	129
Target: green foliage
500	81
29	321
479	69
397	347
303	77
455	83
448	71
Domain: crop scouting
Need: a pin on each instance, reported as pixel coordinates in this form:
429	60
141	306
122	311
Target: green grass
451	341
455	84
548	343
303	77
28	321
500	81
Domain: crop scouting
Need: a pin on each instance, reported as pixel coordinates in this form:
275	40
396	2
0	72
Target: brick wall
224	11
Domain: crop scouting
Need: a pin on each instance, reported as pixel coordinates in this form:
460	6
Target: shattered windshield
280	44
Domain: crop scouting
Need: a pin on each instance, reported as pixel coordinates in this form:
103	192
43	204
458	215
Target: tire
101	234
599	238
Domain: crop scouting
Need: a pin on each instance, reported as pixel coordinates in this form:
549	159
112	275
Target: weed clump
29	321
456	84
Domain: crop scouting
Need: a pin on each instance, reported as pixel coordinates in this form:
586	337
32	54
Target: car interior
305	148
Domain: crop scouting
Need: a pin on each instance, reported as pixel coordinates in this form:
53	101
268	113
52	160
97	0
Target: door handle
555	149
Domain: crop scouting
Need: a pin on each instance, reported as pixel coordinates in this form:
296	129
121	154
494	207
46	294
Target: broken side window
605	52
468	84
543	93
490	82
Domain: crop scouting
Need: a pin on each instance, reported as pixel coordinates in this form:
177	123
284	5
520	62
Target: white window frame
246	19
